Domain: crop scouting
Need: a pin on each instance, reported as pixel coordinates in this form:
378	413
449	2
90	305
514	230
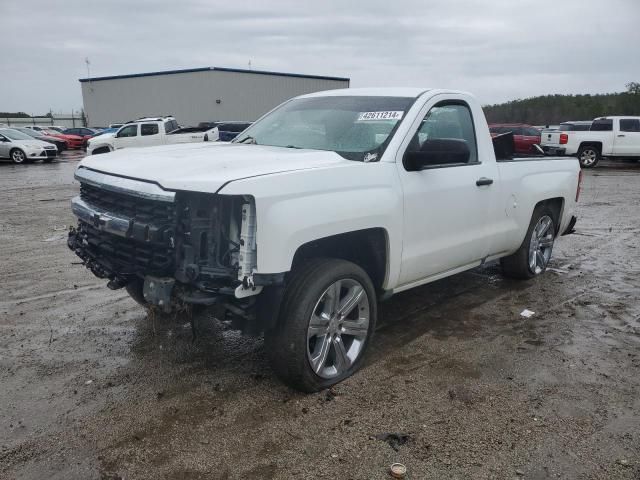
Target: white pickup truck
604	137
327	204
144	132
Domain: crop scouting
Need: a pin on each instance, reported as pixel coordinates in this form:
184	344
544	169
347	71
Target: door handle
481	182
621	135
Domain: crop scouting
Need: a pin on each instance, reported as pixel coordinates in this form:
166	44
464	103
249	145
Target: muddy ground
91	388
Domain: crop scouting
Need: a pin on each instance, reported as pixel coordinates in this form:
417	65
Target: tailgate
550	137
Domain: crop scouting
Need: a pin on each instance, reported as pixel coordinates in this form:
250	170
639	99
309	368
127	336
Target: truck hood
103	136
207	166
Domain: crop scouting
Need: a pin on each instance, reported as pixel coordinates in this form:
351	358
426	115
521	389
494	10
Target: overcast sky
497	49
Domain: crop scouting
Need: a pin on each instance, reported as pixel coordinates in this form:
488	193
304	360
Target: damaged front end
175	248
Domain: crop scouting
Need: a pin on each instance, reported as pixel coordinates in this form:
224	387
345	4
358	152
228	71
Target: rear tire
588	156
532	258
315	343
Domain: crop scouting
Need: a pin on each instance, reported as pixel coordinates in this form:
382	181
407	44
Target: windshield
15	135
357	128
28	131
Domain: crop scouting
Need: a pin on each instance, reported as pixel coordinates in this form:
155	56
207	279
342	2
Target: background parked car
84	132
105	130
23	148
60	143
73	141
224	131
524	136
553	141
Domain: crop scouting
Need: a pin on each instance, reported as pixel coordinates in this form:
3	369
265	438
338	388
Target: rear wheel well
366	248
556	205
596	145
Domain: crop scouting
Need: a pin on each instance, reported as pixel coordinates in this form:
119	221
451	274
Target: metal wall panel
192	96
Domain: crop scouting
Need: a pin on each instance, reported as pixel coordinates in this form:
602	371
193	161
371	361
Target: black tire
18	156
517	265
134	289
588	156
287	343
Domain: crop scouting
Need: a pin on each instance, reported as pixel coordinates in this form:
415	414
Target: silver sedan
22	148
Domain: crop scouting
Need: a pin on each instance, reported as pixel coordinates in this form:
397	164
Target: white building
195	95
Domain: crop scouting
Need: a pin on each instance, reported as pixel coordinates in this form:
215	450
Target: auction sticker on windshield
390	115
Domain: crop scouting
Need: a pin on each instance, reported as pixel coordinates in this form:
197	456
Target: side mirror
440	151
4	139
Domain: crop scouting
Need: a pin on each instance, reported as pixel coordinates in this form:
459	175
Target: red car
84	132
524	136
73	141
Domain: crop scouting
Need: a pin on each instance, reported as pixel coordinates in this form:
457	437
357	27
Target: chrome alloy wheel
338	328
18	156
541	244
588	157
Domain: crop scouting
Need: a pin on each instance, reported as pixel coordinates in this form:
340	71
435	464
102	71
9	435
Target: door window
149	129
445	125
604	125
630	125
170	126
128	131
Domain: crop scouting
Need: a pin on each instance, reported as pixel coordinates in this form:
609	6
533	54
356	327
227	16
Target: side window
128	131
149	129
605	125
170	126
629	125
446	136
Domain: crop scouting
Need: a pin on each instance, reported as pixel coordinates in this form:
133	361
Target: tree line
554	109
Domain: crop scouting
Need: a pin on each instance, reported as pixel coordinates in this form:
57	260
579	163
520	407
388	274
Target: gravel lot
91	388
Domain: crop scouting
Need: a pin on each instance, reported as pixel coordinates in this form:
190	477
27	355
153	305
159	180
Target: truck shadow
443	309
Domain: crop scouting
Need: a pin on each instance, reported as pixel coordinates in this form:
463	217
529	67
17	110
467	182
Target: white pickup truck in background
146	132
605	137
326	204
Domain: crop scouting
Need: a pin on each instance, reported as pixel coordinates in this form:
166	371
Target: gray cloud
499	49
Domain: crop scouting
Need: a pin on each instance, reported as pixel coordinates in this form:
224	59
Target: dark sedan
57	141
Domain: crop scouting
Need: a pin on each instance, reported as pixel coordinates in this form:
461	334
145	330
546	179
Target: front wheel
588	156
18	156
327	320
533	256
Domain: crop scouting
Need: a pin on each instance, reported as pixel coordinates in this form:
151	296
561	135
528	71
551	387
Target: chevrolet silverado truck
327	204
611	137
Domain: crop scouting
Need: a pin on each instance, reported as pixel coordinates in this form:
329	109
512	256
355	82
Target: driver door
126	136
446	206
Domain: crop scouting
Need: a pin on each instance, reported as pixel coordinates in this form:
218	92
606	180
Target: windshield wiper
251	140
293	146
